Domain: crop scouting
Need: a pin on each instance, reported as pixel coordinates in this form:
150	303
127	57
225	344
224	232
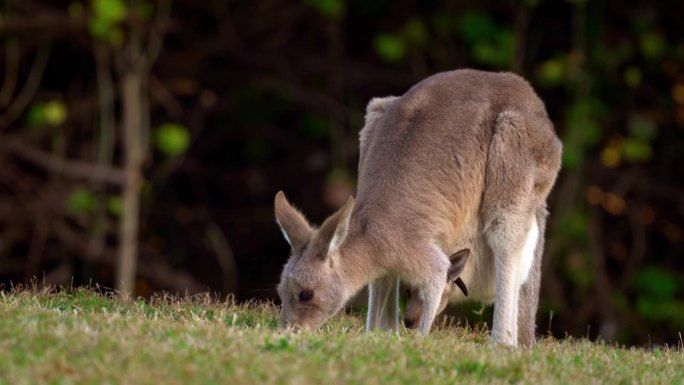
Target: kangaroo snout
410	323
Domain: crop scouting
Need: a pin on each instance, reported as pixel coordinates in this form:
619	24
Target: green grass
83	337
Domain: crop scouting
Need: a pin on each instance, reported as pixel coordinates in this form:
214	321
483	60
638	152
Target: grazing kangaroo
464	159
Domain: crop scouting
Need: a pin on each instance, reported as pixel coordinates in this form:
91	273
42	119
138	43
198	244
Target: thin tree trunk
133	157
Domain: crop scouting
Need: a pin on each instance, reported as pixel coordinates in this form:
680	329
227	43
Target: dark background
243	98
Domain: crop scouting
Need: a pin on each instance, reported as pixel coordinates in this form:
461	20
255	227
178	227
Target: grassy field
83	337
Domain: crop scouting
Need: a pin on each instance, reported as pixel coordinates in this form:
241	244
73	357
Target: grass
82	337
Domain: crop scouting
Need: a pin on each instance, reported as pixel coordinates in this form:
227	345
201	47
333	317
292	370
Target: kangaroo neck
358	263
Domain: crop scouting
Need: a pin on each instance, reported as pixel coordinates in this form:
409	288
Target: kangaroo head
311	287
414	307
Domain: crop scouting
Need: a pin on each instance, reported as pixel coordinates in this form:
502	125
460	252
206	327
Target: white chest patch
527	257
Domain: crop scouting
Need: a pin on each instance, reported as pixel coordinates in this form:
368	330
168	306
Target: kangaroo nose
409	323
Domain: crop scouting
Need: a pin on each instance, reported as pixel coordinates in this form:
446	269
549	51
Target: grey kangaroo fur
464	159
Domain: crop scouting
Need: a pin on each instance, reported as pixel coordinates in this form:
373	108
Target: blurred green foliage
105	20
490	44
171	139
81	201
389	47
333	9
51	113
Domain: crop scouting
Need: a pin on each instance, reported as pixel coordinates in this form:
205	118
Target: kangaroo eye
305	295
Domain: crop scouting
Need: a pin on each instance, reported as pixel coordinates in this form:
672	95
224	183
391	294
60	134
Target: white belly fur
527	257
479	275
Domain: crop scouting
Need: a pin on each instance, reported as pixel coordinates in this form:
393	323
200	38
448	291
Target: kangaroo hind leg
509	221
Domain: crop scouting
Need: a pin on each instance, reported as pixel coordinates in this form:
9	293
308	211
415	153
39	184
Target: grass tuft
82	336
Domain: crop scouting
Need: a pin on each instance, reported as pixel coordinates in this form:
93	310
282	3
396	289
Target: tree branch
59	165
24	98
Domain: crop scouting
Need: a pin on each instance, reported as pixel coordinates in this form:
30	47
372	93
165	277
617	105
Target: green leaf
107	14
551	72
111	11
35	117
99	28
172	139
390	48
81	201
115	205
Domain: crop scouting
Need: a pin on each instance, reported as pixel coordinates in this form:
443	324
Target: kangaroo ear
295	227
458	262
334	229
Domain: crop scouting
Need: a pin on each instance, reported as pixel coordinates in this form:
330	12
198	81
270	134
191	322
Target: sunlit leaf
390	48
55	112
107	14
172	139
611	157
551	71
112	11
81	201
99	28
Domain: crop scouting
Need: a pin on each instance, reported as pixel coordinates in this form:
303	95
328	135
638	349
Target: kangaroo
484	291
463	157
